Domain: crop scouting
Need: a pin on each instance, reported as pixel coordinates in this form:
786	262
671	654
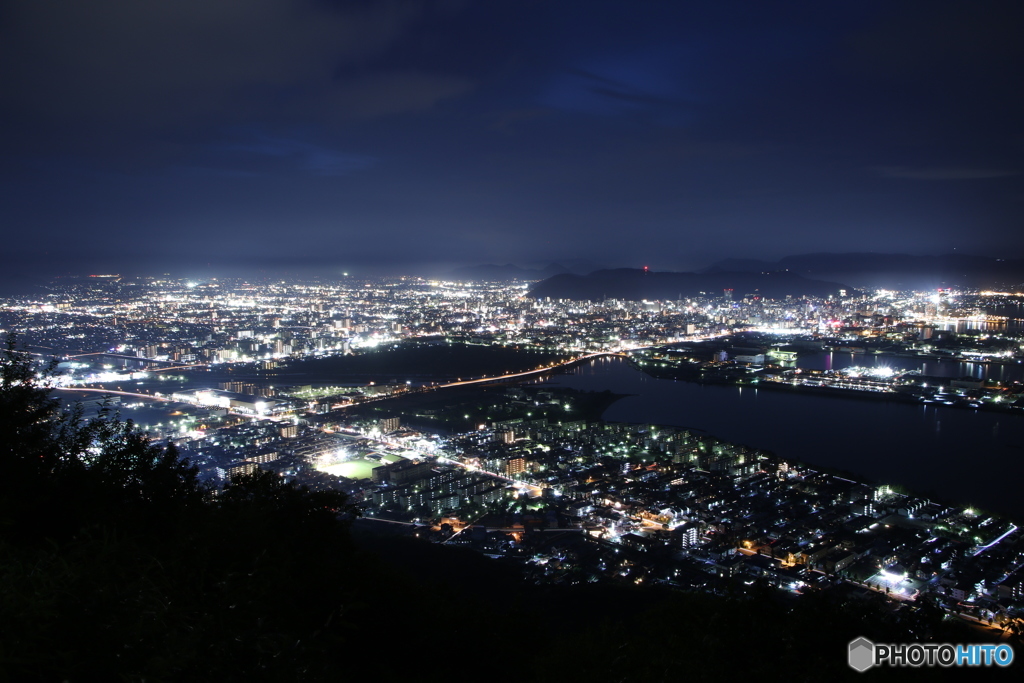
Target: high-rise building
514	466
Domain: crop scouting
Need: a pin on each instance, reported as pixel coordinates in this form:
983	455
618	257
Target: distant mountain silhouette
505	272
894	271
22	284
634	285
510	271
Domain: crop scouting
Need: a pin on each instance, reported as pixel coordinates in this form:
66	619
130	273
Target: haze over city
214	136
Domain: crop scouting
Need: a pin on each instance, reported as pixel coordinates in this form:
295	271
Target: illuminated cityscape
560	341
537	475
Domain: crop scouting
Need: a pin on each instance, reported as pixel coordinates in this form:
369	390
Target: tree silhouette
35	432
115	563
63	472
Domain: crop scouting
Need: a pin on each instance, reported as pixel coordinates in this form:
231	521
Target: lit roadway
151	397
144	360
534	489
527	373
498	378
504	378
1013	527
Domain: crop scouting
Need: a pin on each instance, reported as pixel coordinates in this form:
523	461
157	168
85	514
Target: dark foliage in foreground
116	565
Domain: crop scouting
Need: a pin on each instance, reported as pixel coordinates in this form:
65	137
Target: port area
879	384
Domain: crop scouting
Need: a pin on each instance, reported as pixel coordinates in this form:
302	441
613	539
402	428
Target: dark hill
509	271
634	285
493	273
895	271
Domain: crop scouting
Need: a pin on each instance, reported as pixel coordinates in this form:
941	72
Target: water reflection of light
908	428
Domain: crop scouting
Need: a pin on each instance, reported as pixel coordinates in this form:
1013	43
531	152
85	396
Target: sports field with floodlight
357	468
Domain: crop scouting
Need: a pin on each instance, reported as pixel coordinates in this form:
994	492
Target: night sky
316	136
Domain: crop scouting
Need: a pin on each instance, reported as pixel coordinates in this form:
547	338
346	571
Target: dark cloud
941	39
393	92
166	64
300	154
508	121
942	173
667	134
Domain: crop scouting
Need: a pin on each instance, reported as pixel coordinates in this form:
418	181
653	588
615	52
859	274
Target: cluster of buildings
770	361
180	322
581	501
645	503
577	500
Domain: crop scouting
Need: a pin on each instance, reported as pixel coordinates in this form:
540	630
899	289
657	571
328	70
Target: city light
544	454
